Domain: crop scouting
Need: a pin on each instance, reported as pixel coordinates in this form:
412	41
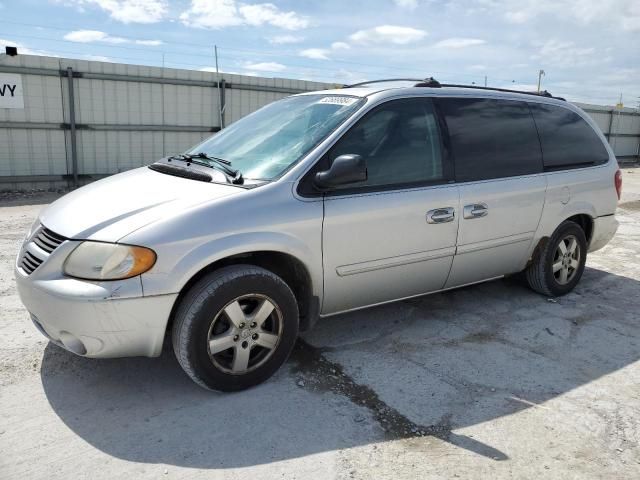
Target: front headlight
108	261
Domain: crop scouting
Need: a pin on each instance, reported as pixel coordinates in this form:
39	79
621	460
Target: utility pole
215	50
540	74
485	80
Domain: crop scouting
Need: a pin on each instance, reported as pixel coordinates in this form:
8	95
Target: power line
279	54
320	71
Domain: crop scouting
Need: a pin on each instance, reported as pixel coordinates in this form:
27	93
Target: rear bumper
604	228
94	319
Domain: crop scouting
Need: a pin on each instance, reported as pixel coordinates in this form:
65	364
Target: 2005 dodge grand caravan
318	204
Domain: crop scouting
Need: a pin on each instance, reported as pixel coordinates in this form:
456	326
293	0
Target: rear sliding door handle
475	210
441	215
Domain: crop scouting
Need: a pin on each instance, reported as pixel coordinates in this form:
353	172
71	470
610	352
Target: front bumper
604	228
93	319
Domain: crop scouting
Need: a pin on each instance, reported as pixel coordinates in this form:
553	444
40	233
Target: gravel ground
490	381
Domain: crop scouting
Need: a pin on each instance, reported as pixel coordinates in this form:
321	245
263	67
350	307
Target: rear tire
558	266
235	328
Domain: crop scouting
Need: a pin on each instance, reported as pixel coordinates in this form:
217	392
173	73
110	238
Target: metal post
540	74
72	123
609	132
224	101
215	49
485	80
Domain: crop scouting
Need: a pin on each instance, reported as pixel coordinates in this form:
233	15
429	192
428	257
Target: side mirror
345	169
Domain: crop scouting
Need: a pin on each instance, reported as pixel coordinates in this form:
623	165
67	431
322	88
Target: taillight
618	182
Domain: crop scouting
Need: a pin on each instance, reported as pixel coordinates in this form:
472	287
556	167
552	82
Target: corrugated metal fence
121	116
621	126
82	120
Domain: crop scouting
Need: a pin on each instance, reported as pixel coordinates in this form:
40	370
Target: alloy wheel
244	334
566	260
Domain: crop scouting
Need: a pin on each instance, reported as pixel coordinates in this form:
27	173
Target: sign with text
11	91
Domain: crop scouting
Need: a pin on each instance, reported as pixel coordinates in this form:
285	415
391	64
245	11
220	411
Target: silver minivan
315	205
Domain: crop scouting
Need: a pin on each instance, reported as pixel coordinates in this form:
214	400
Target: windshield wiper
234	175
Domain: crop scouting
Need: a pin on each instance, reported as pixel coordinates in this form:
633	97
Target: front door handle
441	215
475	210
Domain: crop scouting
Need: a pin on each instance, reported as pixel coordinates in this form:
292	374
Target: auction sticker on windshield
339	100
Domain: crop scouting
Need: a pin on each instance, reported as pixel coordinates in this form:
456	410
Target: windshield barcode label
338	100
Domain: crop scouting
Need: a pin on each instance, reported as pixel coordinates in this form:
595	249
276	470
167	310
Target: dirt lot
490	381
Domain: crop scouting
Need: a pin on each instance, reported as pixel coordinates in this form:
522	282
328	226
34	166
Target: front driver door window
400	143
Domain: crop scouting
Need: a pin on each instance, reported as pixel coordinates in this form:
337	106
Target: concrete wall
126	116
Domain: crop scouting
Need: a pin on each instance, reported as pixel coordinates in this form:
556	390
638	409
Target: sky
589	50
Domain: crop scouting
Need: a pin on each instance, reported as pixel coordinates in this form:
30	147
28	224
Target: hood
111	208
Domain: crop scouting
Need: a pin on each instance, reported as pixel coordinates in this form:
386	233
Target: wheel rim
244	334
566	260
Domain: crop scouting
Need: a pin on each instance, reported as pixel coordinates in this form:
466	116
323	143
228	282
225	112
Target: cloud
523	87
213	70
323	53
128	11
149	43
98	58
268	13
408	4
340	46
563	54
90	36
623	14
388	34
217	14
23	50
213	14
315	53
265	67
285	39
459	42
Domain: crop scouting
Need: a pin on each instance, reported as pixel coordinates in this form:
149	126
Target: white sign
11	91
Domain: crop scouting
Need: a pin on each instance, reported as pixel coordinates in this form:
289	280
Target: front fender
161	281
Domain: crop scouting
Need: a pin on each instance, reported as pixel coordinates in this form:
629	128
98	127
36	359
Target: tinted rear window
567	140
491	138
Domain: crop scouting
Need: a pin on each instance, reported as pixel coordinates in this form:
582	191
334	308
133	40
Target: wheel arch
584	220
291	269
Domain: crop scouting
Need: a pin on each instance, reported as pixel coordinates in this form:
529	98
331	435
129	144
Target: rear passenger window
567	139
400	142
491	138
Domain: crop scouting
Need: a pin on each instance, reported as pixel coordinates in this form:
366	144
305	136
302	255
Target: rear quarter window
568	141
491	138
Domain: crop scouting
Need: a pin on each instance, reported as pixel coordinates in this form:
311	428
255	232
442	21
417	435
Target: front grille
47	241
30	262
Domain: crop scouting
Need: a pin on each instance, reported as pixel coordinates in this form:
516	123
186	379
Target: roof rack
543	93
383	81
431	82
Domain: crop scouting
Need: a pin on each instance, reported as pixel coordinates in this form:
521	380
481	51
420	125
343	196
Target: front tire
558	266
235	328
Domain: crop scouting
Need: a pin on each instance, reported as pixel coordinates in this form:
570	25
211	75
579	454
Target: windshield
264	144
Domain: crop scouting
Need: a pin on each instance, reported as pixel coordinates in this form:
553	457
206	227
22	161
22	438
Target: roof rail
543	93
433	83
384	81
